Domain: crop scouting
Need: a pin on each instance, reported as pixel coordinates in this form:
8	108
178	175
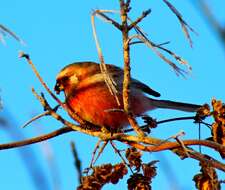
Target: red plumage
88	95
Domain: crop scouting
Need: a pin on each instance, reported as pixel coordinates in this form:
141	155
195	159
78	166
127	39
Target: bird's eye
57	87
64	79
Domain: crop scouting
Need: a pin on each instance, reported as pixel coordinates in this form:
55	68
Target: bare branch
138	20
120	155
101	14
193	154
211	18
127	76
27	57
36	139
177	70
108	79
100	151
131	140
183	23
35	118
4	31
77	161
181	143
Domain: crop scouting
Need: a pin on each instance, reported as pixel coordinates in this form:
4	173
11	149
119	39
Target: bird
87	94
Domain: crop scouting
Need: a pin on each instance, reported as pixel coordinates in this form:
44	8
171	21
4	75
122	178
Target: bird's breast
97	105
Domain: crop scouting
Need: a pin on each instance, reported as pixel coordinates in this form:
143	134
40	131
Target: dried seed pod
218	127
207	179
149	170
119	170
103	173
138	182
89	183
134	157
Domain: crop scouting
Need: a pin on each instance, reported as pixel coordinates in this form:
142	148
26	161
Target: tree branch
138	20
36	139
124	8
193	154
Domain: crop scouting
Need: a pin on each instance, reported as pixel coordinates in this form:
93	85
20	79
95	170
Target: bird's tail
166	104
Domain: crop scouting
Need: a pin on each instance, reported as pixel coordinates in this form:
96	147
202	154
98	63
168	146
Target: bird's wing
117	72
144	88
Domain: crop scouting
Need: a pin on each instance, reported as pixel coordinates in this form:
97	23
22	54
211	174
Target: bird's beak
58	88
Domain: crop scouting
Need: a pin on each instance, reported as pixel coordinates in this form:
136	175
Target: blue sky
58	33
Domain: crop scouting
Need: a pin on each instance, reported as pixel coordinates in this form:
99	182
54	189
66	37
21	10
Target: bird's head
72	75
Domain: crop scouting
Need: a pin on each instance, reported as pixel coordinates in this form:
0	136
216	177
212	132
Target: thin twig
51	162
175	56
177	70
111	84
71	112
183	23
101	14
35	118
151	44
120	155
168	139
210	17
27	57
114	110
77	161
46	113
4	29
93	159
206	124
127	4
199	136
181	142
93	154
139	19
166	121
176	119
100	151
156	45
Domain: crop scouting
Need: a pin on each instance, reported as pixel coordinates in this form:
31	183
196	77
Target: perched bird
87	94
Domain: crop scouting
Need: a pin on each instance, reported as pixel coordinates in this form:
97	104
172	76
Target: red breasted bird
88	95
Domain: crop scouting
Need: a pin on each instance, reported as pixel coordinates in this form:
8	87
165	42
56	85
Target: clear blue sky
58	33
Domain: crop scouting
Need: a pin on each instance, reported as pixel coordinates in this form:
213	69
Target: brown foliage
207	179
149	170
102	175
138	182
134	157
218	127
